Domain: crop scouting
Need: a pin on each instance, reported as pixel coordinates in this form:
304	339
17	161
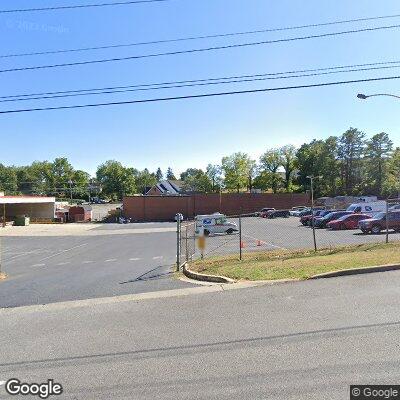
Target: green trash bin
22	220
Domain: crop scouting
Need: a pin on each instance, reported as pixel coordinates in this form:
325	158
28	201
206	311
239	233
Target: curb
357	271
204	277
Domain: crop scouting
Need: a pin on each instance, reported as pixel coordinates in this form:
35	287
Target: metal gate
186	242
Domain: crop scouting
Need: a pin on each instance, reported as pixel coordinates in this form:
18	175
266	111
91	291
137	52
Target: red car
347	221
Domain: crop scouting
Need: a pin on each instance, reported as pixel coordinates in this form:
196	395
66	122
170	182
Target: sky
195	132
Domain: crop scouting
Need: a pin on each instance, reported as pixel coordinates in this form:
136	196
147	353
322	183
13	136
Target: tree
263	180
288	159
37	178
61	174
214	174
116	180
378	149
350	151
170	174
144	179
80	180
391	184
8	179
236	169
270	162
159	174
195	180
317	158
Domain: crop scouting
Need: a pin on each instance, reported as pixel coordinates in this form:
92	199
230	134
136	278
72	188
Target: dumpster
21	220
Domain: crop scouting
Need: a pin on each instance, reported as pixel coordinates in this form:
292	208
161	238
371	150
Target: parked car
306	219
307	211
378	222
277	214
347	221
295	211
322	222
214	223
264	211
318	214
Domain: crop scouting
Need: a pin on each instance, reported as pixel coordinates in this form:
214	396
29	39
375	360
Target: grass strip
298	264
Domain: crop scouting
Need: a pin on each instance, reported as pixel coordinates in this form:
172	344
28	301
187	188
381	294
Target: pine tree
159	174
170	174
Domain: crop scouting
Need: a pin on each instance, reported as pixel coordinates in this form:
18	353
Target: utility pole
312	178
70	188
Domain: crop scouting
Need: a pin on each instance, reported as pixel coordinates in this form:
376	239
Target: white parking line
64	263
110	260
134	259
38	265
64	251
87	262
157	258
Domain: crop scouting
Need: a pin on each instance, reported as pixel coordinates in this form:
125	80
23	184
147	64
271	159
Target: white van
369	208
214	223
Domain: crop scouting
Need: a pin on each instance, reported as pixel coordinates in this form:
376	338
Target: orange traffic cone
242	245
259	243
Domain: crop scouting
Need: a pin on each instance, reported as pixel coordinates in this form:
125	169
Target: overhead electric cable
205	49
198	96
250	78
145	85
71	7
221	35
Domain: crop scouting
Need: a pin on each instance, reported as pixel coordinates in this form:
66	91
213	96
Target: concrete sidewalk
304	340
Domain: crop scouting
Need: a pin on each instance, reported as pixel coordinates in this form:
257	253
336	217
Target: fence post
240	237
178	241
186	243
387	221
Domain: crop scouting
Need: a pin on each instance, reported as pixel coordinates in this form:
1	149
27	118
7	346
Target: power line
221	35
56	8
197	96
382	63
248	79
231	46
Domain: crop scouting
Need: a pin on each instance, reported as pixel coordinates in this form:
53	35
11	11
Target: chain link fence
285	230
186	242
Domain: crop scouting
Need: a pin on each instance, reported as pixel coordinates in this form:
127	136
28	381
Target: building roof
26	199
169	187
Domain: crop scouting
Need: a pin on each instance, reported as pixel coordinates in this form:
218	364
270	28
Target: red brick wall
164	208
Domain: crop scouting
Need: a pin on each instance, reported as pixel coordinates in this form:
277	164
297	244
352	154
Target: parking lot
51	263
54	263
285	233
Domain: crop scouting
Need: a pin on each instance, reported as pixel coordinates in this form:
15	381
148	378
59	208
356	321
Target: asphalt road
51	269
305	340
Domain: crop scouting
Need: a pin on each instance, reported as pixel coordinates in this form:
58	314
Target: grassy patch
285	264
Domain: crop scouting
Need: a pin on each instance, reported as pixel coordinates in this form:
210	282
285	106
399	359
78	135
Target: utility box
21	220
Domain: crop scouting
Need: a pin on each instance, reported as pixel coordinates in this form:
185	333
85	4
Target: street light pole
311	178
70	188
365	96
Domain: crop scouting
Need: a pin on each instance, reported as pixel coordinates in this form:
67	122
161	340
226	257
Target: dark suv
378	222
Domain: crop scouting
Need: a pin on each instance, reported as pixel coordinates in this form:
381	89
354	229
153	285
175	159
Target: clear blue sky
191	133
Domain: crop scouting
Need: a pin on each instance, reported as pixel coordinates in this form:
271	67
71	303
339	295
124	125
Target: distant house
165	188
